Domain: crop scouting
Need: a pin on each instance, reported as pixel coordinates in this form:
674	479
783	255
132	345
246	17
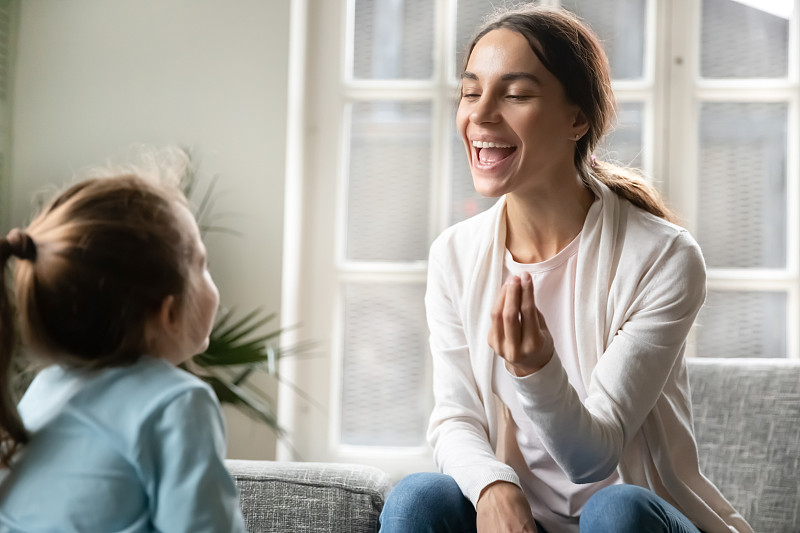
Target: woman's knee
426	501
618	508
422	491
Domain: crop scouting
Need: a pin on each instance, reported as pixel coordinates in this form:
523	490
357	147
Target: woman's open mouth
488	154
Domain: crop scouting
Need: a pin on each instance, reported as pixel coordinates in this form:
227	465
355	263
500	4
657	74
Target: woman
559	316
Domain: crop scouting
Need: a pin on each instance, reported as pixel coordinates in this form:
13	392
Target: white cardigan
640	283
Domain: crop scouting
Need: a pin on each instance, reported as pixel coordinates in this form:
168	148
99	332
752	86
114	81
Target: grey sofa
747	421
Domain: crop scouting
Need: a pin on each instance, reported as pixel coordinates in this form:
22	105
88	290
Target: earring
577	136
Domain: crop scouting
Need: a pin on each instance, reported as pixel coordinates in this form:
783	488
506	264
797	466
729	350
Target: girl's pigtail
12	430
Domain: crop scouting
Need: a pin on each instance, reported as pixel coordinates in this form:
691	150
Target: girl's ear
168	315
167	318
163	329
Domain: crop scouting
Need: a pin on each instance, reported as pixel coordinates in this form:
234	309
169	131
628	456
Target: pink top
555	501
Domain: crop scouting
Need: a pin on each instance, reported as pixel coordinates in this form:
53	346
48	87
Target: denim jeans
433	503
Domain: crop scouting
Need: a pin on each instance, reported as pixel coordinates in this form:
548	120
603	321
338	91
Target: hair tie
594	162
21	245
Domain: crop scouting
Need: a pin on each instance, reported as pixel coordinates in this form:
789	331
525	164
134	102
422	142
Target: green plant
238	348
241	346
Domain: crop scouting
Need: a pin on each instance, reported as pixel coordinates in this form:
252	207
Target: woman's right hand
518	332
503	508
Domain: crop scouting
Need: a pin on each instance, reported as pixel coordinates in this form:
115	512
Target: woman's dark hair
91	269
573	54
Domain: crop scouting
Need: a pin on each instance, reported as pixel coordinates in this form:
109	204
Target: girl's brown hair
91	269
573	53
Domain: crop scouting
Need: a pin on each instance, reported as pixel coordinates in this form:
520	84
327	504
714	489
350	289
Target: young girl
558	317
111	292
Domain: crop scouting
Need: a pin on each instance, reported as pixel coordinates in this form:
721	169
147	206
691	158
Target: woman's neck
542	222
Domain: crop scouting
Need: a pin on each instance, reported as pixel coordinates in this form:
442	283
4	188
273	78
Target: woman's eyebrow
513	76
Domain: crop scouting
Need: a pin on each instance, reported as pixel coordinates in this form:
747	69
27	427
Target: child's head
112	269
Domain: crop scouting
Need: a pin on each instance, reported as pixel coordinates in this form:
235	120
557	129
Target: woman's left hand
518	332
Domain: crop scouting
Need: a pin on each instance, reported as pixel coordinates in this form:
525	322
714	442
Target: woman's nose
485	110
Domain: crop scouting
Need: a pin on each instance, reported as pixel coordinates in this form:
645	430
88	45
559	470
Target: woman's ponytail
12	431
631	185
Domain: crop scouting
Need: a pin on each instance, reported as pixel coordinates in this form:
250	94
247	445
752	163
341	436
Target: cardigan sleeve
458	429
587	439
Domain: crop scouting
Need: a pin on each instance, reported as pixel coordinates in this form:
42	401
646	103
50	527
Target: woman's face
517	125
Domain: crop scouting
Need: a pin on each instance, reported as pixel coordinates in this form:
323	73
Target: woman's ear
580	124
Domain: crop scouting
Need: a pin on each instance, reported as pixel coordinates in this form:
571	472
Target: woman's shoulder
649	240
650	231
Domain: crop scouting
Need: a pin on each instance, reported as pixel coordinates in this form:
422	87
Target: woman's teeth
483	144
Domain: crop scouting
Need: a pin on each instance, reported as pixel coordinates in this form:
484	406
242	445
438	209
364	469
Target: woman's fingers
496	334
528	344
518	332
511	319
529	314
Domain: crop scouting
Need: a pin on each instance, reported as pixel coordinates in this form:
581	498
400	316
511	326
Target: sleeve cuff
544	385
474	492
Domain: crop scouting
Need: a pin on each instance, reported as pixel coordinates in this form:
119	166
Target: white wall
94	77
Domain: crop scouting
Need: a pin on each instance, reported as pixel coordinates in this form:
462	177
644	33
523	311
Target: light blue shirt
138	449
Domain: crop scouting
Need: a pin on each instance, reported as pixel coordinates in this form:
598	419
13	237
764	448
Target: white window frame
314	261
687	90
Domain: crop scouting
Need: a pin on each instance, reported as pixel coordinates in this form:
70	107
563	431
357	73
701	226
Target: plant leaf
255	408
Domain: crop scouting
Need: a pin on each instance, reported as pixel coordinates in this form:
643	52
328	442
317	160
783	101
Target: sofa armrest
309	497
747	425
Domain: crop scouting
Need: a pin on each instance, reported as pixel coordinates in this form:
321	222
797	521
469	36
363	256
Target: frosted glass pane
742	184
742	324
624	144
469	15
389	175
742	41
620	24
393	39
385	381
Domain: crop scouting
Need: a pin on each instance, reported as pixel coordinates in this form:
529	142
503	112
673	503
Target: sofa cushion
309	497
747	424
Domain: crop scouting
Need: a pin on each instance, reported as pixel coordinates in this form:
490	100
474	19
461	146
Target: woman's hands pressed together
518	332
503	508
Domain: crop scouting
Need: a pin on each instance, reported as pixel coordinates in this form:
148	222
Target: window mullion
440	162
682	66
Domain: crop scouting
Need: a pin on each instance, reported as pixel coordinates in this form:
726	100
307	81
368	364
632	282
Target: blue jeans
433	503
622	508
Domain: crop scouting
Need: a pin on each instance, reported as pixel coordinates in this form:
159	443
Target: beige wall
94	77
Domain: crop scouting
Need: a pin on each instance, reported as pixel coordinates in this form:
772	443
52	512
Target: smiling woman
509	99
706	93
575	415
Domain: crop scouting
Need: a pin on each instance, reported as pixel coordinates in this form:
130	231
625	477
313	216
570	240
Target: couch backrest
747	424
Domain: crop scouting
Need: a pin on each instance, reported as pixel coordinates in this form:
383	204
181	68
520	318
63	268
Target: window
708	105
